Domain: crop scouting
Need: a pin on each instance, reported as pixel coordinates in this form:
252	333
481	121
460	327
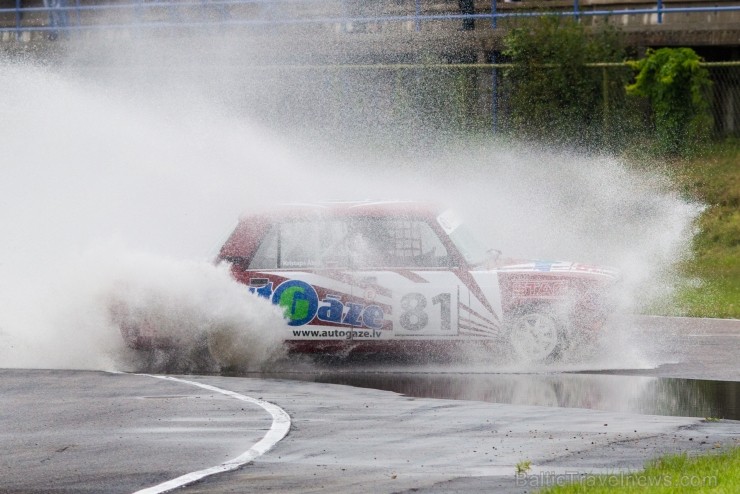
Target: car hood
555	267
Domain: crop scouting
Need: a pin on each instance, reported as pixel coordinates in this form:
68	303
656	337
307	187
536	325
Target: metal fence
411	99
725	100
18	16
614	112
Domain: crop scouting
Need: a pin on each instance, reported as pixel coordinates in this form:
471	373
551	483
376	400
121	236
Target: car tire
536	334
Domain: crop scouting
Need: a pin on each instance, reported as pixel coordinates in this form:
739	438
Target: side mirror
494	254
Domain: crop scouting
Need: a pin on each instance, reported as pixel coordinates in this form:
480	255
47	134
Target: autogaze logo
299	301
301	305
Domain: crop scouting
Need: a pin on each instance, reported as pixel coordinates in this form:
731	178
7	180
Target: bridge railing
344	15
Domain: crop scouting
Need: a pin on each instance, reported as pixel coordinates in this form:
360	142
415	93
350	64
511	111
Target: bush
676	85
554	95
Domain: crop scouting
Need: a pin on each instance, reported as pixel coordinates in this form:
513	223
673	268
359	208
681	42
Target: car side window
416	244
266	256
395	243
298	245
351	243
302	245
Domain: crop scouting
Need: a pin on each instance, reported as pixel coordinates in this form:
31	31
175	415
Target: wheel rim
534	336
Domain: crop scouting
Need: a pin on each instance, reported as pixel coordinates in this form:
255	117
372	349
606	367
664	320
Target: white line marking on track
278	430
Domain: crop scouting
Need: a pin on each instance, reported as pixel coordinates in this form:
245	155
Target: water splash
104	148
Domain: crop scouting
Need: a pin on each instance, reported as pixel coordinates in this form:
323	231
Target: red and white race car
408	277
397	277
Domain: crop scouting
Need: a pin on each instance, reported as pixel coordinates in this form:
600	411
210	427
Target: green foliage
523	467
716	473
711	277
430	97
553	94
677	87
715	180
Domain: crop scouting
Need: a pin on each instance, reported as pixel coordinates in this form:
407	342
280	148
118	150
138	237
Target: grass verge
712	277
711	473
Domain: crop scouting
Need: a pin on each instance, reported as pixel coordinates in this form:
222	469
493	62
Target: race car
393	277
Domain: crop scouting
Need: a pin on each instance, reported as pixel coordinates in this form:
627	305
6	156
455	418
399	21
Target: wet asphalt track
75	431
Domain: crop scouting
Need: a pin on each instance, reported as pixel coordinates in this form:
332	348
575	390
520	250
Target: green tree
554	95
676	85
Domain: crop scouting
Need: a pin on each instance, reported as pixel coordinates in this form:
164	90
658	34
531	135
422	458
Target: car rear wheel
535	334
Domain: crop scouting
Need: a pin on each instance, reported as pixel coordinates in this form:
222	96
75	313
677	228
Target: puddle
616	393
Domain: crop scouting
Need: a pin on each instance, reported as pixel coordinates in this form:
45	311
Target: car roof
385	208
251	227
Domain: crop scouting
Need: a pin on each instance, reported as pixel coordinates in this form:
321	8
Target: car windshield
472	250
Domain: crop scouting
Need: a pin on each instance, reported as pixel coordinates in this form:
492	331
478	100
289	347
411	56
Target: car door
303	266
402	266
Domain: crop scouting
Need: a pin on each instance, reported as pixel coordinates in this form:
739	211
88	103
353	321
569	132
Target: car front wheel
535	334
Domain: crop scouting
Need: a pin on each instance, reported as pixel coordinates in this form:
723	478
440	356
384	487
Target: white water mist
121	151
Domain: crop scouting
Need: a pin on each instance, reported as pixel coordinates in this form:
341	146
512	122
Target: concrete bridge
385	30
325	33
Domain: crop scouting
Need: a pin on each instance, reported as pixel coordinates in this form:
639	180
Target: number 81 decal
418	316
